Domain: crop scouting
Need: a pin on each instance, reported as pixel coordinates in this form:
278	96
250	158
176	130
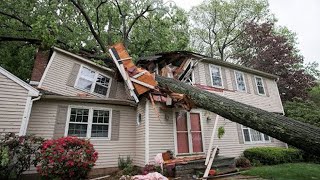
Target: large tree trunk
296	133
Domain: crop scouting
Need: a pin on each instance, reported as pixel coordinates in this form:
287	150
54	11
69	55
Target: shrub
243	162
127	167
273	155
123	163
66	158
17	154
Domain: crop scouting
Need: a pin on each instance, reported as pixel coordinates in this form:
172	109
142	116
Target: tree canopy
218	24
88	27
265	48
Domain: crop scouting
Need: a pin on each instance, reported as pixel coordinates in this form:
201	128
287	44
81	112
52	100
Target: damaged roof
177	57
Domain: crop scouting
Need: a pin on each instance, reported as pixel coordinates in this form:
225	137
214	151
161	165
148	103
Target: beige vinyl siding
43	117
161	134
140	137
13	98
270	103
57	76
229	144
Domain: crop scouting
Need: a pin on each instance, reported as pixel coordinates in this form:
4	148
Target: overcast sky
300	16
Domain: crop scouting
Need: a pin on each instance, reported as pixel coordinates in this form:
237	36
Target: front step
220	163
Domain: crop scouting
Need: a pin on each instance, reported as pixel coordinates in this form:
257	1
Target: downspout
146	122
26	122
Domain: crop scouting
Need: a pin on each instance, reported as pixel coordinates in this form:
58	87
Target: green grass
291	171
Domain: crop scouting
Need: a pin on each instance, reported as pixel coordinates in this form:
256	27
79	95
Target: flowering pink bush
66	158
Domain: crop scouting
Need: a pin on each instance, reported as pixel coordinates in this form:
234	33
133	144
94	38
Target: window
241	85
92	81
216	77
251	135
260	87
88	122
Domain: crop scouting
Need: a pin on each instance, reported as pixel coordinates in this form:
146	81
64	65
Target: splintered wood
139	80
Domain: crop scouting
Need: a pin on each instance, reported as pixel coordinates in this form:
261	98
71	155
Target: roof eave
240	68
82	59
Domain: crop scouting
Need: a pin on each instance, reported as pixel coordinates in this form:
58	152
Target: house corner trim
147	132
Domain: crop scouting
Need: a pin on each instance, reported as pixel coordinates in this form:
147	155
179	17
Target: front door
189	134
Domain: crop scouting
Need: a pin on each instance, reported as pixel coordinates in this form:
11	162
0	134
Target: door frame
189	134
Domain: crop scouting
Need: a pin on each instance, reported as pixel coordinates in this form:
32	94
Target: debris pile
141	80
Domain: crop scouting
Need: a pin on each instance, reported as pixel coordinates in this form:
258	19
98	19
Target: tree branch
21	39
89	23
137	18
16	18
97	15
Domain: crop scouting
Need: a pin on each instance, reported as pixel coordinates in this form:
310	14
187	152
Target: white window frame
219	67
244	81
90	121
189	132
192	76
262	83
94	82
254	142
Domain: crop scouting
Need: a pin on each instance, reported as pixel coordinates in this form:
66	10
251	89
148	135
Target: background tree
217	24
263	48
304	111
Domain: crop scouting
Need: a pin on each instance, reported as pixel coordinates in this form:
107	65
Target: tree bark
295	133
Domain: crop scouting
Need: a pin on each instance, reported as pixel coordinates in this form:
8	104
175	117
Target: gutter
90	100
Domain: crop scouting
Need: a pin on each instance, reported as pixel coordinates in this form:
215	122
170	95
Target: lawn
292	171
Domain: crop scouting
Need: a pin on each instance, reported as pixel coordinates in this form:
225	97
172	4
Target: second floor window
259	84
241	85
92	81
216	77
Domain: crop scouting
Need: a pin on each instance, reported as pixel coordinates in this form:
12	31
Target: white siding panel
270	103
13	98
229	144
43	117
140	137
58	75
161	137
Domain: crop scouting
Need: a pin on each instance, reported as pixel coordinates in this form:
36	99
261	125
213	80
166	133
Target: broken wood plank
206	173
211	140
142	83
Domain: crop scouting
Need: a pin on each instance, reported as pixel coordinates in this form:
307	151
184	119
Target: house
84	99
16	98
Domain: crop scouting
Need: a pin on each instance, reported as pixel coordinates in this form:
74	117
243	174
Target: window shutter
239	129
113	88
265	87
115	125
73	75
224	78
246	78
254	85
233	80
207	74
59	127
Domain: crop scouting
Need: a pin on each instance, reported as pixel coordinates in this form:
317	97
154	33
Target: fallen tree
298	134
295	133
